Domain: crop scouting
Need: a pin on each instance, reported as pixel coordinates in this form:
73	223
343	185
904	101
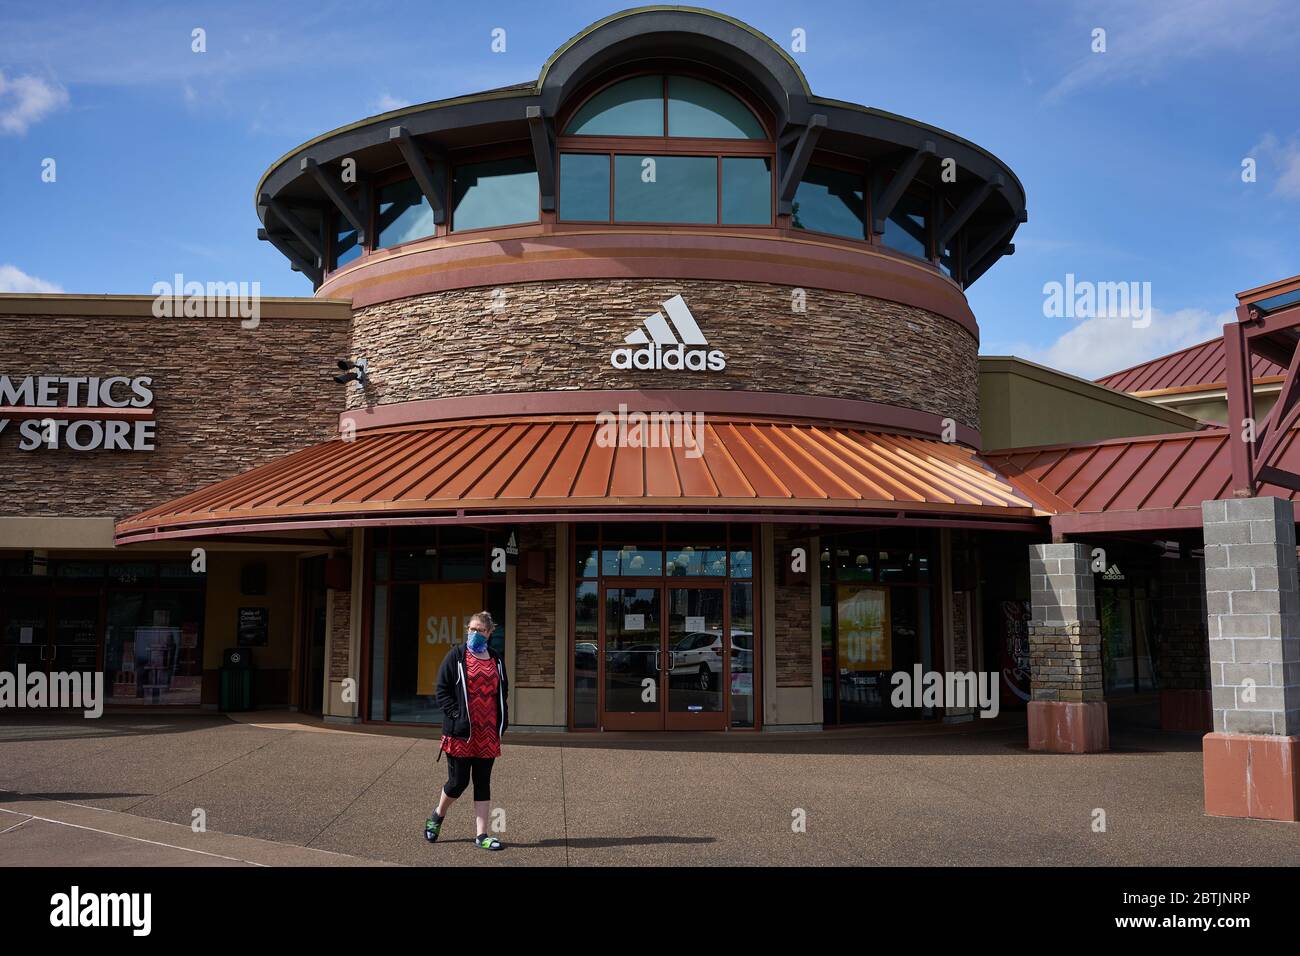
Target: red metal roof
550	463
1156	481
1197	365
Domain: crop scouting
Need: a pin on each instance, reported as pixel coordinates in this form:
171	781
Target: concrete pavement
278	789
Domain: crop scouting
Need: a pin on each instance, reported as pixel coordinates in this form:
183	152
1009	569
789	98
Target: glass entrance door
665	656
25	638
633	658
76	636
697	655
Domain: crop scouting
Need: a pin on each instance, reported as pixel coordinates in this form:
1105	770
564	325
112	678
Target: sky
1131	157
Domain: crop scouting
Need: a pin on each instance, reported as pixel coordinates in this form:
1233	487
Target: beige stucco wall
1025	404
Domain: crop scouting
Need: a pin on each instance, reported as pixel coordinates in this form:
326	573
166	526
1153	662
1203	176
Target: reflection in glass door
696	653
633	642
26	633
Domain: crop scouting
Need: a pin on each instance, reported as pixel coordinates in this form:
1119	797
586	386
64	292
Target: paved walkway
278	789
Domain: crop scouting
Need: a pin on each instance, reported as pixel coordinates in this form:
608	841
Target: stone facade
1064	633
535	613
543	336
793	610
226	399
1182	650
340	636
1253	600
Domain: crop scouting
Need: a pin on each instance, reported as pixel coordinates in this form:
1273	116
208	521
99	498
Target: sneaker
432	827
483	841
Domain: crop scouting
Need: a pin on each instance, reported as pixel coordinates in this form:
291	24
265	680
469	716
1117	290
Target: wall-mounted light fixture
352	372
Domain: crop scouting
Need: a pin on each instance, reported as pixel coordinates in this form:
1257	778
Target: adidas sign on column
662	348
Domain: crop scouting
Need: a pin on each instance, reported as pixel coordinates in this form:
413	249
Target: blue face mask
476	641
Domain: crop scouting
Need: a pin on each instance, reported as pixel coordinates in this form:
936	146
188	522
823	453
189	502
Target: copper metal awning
1132	484
551	464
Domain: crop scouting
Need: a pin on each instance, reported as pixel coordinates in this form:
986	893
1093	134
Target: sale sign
445	610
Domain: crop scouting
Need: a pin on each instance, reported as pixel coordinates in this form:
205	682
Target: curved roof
719	41
522	465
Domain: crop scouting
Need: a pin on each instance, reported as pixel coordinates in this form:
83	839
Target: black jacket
452	695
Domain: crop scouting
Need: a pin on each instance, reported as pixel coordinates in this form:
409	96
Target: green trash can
237	679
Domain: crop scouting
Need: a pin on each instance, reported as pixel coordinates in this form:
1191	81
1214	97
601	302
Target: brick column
1067	712
1254	620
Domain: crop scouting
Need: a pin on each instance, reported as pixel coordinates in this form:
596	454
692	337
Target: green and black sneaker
485	842
432	827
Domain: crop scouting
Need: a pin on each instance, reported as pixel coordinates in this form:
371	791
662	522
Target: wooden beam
1241	406
798	163
342	202
884	204
1278	413
539	128
985	264
967	209
430	185
289	252
1268	475
296	226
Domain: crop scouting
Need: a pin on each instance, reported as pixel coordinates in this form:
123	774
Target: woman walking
471	690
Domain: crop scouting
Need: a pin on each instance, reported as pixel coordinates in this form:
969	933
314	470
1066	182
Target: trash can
237	679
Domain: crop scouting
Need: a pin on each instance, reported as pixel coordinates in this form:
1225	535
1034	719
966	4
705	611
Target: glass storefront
425	585
140	622
876	614
664	626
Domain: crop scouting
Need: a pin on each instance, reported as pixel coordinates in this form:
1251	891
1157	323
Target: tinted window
696	108
905	228
665	189
584	187
633	107
346	247
746	191
404	214
830	200
496	193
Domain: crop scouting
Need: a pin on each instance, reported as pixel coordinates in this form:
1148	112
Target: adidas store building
660	358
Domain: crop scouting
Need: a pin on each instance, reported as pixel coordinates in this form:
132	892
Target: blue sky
1131	158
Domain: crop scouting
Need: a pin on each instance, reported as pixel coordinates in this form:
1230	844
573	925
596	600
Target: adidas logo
663	348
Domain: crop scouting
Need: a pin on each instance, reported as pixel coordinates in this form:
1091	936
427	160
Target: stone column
1253	609
1067	712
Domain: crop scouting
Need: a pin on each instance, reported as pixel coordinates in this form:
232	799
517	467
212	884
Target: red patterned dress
484	740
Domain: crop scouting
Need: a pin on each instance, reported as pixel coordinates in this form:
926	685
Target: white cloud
25	100
1097	347
385	103
13	279
1144	38
1279	164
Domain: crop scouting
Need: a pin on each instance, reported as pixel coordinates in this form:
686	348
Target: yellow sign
864	628
445	610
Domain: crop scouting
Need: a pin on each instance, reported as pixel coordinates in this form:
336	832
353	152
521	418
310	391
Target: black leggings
459	770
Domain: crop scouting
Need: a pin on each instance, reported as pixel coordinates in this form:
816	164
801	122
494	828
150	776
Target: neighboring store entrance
665	659
53	636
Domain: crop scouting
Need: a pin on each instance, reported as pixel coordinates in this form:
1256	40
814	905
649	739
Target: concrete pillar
1253	607
1067	710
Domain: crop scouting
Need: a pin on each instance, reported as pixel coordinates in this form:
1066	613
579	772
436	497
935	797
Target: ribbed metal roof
1197	365
561	463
